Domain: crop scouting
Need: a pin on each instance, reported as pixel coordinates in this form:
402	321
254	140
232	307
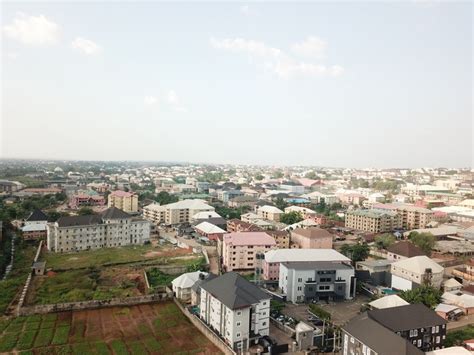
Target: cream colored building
175	213
271	213
375	221
414	217
125	201
407	274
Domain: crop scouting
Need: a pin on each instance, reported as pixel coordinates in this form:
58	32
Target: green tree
426	294
311	175
356	252
164	198
281	203
425	241
85	211
291	217
384	241
259	177
278	174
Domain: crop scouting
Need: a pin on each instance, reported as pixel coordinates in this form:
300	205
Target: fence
290	331
21	301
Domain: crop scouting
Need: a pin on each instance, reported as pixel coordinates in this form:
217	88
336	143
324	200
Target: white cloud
277	61
86	46
312	46
247	11
172	98
12	55
33	30
150	100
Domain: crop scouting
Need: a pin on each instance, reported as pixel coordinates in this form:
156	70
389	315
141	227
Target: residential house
35	226
282	238
452	285
292	187
388	302
376	272
209	230
460	299
305	212
466	272
241	201
182	284
408	274
311	238
86	198
403	250
236	225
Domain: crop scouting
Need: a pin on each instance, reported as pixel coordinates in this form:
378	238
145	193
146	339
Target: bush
458	336
319	312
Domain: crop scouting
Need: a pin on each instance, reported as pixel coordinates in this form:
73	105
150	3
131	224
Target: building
403	250
305	212
125	201
452	285
466	272
309	281
271	213
209	230
39	191
7	186
414	217
388	302
235	309
236	225
182	284
375	272
111	228
416	323
240	249
282	238
175	213
311	238
459	299
364	336
241	201
86	198
292	187
408	274
374	221
273	259
35	226
227	195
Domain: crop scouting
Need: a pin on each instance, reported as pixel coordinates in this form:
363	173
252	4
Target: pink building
86	198
311	238
239	249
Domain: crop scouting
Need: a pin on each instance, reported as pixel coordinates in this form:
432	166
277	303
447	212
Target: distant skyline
317	84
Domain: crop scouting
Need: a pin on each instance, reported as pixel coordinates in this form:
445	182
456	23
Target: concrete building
311	238
282	238
182	284
240	249
273	259
125	201
86	198
408	274
374	221
35	226
235	309
271	213
305	212
376	272
316	280
111	228
388	302
209	230
403	250
175	213
292	187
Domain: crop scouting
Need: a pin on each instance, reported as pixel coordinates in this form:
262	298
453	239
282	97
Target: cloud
279	62
86	46
150	100
247	11
12	55
172	98
33	30
312	47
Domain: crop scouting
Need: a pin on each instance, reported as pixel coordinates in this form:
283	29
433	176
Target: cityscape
237	178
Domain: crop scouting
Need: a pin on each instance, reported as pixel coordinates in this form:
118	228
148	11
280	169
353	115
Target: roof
248	238
445	308
418	264
188	279
72	221
209	228
270	209
206	215
312	233
463	300
388	302
120	193
452	282
453	350
406	249
234	291
35	227
378	338
283	255
37	215
114	213
373	213
315	265
298	209
195	204
411	316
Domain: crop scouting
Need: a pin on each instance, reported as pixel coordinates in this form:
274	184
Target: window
237	335
300	279
238	324
239	313
419	343
264	323
299	288
352	340
438	339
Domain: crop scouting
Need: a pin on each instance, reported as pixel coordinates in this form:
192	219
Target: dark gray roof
234	291
217	221
378	338
197	285
37	215
114	213
86	220
411	316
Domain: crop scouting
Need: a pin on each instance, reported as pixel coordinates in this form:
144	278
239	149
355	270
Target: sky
346	84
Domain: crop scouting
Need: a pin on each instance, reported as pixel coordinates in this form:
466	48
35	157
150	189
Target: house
236	225
364	336
408	274
35	226
241	201
235	309
209	230
175	213
466	272
125	201
244	250
462	300
292	187
196	288
227	195
376	272
307	281
415	322
182	284
305	212
448	312
311	238
273	259
452	350
452	285
111	228
271	213
388	302
250	217
403	250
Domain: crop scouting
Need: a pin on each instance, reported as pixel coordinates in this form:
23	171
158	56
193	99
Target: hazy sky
334	84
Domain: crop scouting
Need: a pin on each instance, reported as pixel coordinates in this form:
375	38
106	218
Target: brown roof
405	248
312	233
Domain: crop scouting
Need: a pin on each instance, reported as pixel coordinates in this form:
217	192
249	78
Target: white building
236	309
175	213
182	284
111	228
407	274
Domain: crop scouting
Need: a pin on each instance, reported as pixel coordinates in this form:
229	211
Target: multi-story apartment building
282	238
111	228
375	221
236	225
240	249
86	198
411	217
175	213
273	259
408	274
311	238
309	281
235	309
271	213
125	201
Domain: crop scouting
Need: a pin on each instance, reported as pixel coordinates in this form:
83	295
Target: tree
356	252
278	174
281	203
426	294
259	177
425	241
85	211
311	175
384	241
164	198
291	217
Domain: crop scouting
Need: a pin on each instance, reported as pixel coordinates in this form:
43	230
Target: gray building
375	272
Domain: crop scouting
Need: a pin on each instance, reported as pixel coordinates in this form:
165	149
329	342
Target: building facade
375	221
175	213
408	274
311	238
125	201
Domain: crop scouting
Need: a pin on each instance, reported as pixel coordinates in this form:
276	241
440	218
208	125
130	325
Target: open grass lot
101	257
158	328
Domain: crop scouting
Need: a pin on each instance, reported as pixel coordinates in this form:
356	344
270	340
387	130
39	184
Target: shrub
319	312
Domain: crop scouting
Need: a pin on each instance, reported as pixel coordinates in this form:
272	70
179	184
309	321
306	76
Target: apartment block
374	221
271	213
175	213
125	201
311	238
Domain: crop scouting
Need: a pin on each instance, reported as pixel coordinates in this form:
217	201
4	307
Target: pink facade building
311	238
86	198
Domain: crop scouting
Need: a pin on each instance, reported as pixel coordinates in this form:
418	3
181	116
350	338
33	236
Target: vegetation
212	176
457	337
291	217
281	203
197	265
425	241
357	252
387	185
425	294
384	241
231	213
311	175
276	306
21	209
319	312
328	210
159	278
85	211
